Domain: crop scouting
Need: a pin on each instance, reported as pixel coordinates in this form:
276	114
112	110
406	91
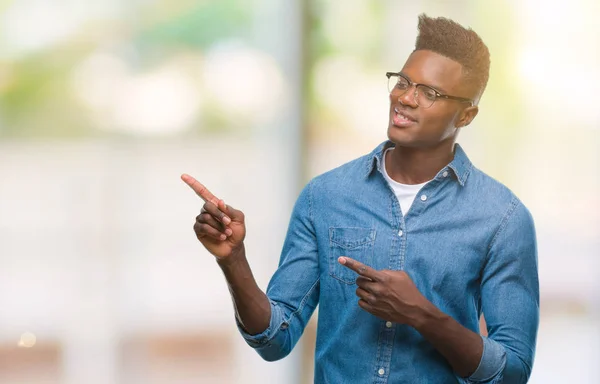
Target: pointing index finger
200	189
359	268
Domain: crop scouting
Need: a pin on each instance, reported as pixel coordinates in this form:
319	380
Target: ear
466	116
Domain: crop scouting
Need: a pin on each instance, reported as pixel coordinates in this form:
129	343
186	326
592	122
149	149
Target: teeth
402	116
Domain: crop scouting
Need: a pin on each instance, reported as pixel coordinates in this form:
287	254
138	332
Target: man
403	248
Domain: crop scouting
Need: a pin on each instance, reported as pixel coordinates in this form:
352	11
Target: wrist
238	254
428	317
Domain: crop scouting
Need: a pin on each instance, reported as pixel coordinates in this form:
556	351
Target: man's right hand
219	227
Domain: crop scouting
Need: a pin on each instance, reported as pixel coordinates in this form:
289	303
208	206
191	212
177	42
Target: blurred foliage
36	102
366	45
498	32
198	26
503	103
35	97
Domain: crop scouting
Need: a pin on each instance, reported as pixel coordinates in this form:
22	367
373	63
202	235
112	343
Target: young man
403	248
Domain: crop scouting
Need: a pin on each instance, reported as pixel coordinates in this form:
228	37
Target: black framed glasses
424	95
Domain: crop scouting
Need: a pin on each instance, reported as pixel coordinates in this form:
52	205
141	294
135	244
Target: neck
408	165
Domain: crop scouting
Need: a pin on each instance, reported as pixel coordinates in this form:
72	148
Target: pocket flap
351	237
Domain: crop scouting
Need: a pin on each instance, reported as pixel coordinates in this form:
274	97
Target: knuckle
205	228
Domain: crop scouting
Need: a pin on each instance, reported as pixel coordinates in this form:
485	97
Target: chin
400	137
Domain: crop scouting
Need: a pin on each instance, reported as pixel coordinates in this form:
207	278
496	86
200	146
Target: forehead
433	69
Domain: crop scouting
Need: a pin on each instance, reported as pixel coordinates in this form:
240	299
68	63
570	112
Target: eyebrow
440	90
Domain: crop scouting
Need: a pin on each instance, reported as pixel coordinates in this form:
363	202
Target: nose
408	98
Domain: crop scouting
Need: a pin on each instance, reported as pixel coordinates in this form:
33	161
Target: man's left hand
389	295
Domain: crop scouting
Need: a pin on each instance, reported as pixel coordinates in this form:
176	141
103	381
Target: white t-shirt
404	192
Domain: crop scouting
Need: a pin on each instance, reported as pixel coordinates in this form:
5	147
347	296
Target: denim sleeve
510	301
294	288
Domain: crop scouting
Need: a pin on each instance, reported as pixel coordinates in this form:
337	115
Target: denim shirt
467	243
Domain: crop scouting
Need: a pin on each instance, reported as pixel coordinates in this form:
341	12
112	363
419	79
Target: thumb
233	213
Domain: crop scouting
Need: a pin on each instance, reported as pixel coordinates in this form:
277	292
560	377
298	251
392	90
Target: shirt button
388	324
381	371
400	233
445	174
423	197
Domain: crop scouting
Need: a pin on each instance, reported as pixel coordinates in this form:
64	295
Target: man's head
450	39
452	65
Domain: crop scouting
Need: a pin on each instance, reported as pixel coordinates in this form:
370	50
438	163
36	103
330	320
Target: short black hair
452	40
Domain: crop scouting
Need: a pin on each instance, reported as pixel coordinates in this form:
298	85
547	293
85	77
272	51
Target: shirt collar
461	165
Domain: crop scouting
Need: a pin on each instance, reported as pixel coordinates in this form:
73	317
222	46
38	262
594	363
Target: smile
402	120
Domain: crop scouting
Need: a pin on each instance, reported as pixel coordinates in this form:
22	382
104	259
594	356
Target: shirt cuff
493	361
276	324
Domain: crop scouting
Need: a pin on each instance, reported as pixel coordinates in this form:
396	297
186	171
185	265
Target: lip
401	118
406	114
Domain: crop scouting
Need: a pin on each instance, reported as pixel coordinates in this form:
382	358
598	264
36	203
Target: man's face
411	125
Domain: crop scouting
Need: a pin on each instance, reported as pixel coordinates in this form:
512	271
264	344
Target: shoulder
498	199
346	174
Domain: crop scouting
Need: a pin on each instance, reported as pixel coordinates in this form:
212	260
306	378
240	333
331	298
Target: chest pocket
356	243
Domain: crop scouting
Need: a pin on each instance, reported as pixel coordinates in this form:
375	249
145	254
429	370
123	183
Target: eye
402	83
428	93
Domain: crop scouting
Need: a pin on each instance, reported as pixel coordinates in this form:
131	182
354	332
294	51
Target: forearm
461	347
252	307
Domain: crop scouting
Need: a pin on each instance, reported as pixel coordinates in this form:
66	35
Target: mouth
402	119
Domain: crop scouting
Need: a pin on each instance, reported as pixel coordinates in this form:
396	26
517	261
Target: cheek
439	121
